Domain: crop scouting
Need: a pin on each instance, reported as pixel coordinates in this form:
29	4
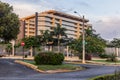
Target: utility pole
83	41
83	37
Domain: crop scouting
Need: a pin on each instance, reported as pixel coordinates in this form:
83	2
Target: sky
104	15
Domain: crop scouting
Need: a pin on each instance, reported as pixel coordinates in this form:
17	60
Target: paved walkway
12	71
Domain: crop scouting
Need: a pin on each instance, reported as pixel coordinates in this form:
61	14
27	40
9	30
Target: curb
96	63
105	64
41	71
29	65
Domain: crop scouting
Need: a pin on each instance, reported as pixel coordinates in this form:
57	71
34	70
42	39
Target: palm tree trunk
31	51
58	43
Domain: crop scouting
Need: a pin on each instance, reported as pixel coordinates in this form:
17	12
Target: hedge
49	58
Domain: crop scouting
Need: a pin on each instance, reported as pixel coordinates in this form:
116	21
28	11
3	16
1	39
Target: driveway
12	71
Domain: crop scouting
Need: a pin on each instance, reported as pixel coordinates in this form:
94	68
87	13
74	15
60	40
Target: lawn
104	61
56	67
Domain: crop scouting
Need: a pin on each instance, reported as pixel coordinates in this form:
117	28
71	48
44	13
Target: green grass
30	61
56	67
105	61
102	76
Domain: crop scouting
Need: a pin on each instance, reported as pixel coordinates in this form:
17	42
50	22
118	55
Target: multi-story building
31	25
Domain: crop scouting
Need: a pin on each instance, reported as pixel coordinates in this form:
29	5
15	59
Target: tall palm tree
58	32
46	36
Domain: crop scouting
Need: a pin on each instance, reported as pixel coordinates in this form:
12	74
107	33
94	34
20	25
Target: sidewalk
17	57
29	57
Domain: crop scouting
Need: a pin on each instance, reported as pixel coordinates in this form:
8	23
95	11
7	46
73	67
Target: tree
8	48
32	42
46	37
93	43
58	32
115	43
9	22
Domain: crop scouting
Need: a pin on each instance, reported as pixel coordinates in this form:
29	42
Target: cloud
83	3
25	8
108	27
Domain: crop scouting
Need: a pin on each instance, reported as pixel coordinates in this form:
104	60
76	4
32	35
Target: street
12	71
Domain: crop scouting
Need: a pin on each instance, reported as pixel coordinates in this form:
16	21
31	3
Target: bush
103	55
112	58
49	58
87	56
115	76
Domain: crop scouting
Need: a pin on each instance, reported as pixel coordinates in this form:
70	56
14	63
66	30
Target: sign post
23	44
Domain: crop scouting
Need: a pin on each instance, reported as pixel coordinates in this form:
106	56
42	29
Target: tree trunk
33	51
58	44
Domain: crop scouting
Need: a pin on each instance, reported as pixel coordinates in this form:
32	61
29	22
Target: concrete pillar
31	52
67	51
50	48
13	49
117	52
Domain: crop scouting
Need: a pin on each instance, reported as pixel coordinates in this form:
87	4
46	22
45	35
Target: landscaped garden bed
115	76
55	67
50	68
50	62
106	62
107	77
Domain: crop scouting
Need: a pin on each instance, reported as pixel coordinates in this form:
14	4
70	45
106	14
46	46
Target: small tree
93	43
32	42
8	48
116	44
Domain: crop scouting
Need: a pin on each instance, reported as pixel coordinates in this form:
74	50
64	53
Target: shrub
115	76
112	58
87	56
49	58
103	55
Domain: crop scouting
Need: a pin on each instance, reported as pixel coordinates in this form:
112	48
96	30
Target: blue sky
104	15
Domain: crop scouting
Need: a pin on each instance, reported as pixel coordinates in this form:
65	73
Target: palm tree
58	32
46	36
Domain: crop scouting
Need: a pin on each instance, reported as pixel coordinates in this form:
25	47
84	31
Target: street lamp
83	37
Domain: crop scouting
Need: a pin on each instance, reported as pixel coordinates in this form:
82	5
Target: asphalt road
12	71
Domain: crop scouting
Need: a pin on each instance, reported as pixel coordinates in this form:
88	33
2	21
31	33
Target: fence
63	49
113	51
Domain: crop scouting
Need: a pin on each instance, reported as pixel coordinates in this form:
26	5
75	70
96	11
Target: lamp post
83	37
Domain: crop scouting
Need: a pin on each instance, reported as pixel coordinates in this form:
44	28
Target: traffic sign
22	43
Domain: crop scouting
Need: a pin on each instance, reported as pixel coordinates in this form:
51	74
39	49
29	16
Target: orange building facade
31	25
